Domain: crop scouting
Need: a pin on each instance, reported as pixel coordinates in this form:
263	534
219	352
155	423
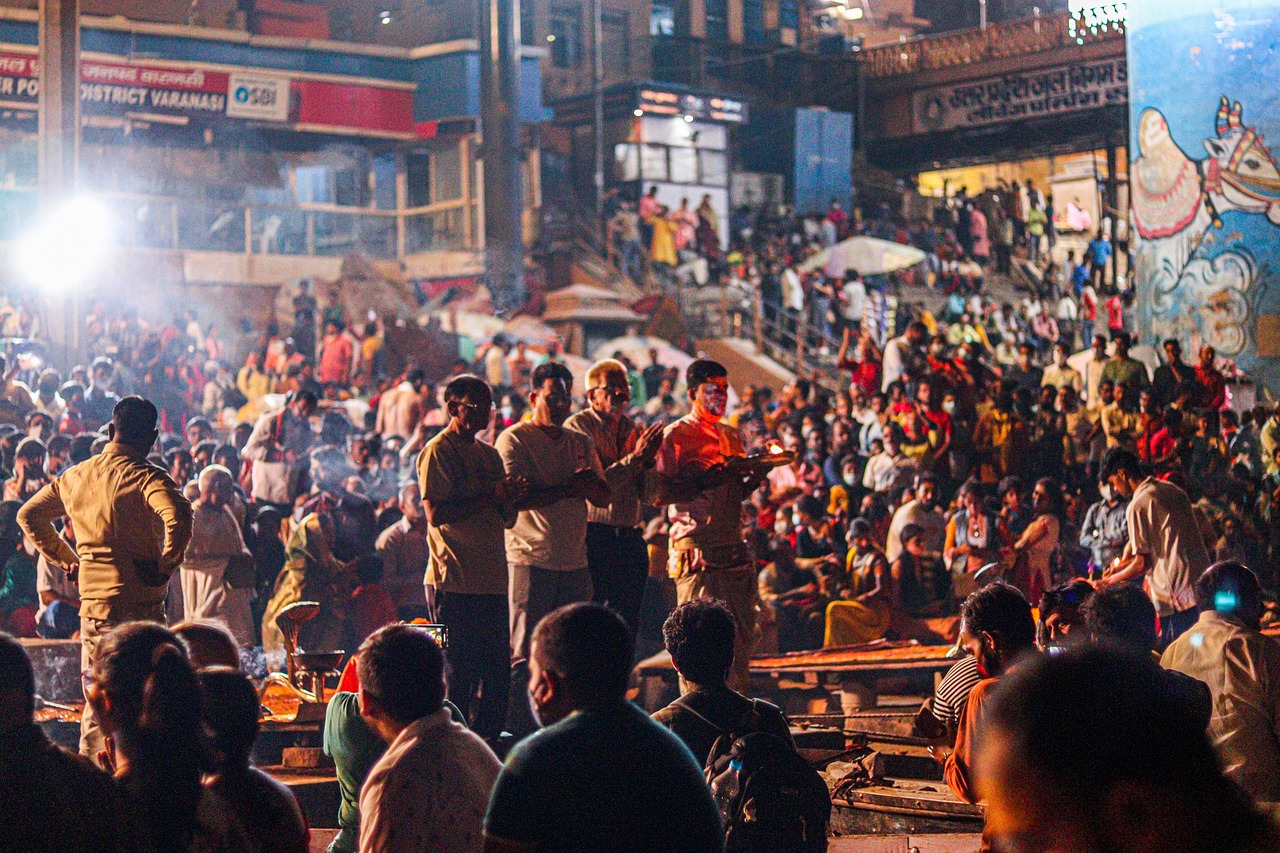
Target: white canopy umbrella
636	348
867	255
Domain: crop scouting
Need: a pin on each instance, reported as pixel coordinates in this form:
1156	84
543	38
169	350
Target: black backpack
770	799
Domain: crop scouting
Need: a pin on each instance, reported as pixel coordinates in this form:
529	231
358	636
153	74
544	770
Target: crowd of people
962	471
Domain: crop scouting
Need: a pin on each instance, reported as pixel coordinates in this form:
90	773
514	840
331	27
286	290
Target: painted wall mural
1204	79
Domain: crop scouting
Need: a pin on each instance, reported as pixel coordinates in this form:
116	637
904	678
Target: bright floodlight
66	246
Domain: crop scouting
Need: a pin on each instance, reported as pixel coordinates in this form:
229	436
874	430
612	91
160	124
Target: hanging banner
1016	97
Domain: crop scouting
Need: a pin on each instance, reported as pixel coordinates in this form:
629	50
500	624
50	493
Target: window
626	162
714	168
615	31
528	23
653	162
446	173
566	36
334	176
684	165
384	182
662	19
717	20
788	14
753	21
417	171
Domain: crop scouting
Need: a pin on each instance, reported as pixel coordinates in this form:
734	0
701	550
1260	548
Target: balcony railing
311	230
998	41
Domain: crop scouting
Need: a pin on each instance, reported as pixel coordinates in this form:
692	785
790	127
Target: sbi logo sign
251	96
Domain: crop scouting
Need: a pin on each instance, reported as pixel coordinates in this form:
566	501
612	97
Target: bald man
617	557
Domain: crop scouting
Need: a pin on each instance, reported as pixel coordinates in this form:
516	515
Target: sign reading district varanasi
1016	97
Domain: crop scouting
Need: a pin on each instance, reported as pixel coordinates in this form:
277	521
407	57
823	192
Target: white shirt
52	579
855	299
1163	526
429	791
1067	309
911	512
792	290
897	353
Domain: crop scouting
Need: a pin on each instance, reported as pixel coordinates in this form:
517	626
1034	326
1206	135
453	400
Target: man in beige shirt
469	502
1241	666
617	556
547	546
1165	547
132	528
703	478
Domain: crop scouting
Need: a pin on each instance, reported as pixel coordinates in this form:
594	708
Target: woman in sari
1032	556
708	230
310	573
254	383
863	610
686	225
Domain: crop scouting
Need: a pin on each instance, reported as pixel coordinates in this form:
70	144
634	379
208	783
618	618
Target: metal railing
998	41
791	339
309	230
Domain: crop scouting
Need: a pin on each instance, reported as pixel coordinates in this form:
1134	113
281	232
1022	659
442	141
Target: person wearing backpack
770	799
699	635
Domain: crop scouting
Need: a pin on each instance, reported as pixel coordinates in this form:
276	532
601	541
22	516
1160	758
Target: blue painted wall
1204	102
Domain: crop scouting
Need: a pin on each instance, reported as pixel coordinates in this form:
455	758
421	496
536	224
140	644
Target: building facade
238	161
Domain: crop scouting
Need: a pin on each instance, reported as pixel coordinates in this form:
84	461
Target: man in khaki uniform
470	503
132	528
704	476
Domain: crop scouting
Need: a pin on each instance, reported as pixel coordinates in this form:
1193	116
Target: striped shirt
953	691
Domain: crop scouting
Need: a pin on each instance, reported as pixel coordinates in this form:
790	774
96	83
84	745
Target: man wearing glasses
469	500
547	547
617	557
704	476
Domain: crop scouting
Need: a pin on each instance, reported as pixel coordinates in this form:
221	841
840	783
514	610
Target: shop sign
257	96
706	107
1017	97
117	88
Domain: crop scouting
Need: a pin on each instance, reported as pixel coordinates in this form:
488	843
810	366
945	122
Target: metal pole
500	131
597	92
58	137
982	14
1112	203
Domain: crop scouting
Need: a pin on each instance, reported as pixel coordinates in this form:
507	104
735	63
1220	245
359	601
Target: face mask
949	406
805	432
780	527
507	412
795	519
1105	491
849	479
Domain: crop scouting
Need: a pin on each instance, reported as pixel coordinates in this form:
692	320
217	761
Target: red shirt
1161	444
1211	388
1115	314
335	360
370	608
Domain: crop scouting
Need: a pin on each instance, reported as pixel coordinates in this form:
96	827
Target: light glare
67	246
